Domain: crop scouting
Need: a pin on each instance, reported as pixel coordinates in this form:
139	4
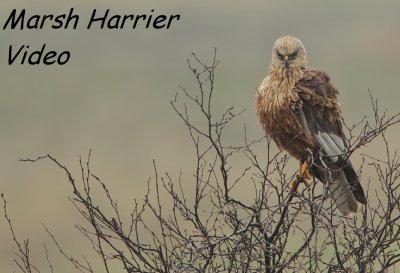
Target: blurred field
113	96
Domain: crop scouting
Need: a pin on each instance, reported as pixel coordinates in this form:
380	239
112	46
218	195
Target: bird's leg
303	176
304	173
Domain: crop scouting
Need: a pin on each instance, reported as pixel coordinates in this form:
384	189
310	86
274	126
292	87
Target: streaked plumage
298	107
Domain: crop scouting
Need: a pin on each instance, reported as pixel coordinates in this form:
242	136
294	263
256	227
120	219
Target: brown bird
297	106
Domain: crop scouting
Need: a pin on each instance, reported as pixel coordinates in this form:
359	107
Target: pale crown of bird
288	52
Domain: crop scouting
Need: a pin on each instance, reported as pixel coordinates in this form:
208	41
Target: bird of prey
297	106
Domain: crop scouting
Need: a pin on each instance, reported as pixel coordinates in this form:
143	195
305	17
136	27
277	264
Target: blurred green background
113	95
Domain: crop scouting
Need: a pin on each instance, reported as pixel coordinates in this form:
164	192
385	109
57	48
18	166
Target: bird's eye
280	56
294	54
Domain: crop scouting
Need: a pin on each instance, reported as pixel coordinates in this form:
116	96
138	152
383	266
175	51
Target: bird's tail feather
343	195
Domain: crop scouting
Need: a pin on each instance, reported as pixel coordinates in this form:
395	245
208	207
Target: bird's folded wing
320	112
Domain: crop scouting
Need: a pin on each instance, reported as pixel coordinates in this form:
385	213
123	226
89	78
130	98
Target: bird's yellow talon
303	176
306	183
294	185
304	173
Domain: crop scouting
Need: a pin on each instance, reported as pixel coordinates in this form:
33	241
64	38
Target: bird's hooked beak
286	61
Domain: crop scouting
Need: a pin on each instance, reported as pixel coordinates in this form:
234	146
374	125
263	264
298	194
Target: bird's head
288	52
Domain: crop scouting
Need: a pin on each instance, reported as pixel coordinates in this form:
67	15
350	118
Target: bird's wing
320	113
